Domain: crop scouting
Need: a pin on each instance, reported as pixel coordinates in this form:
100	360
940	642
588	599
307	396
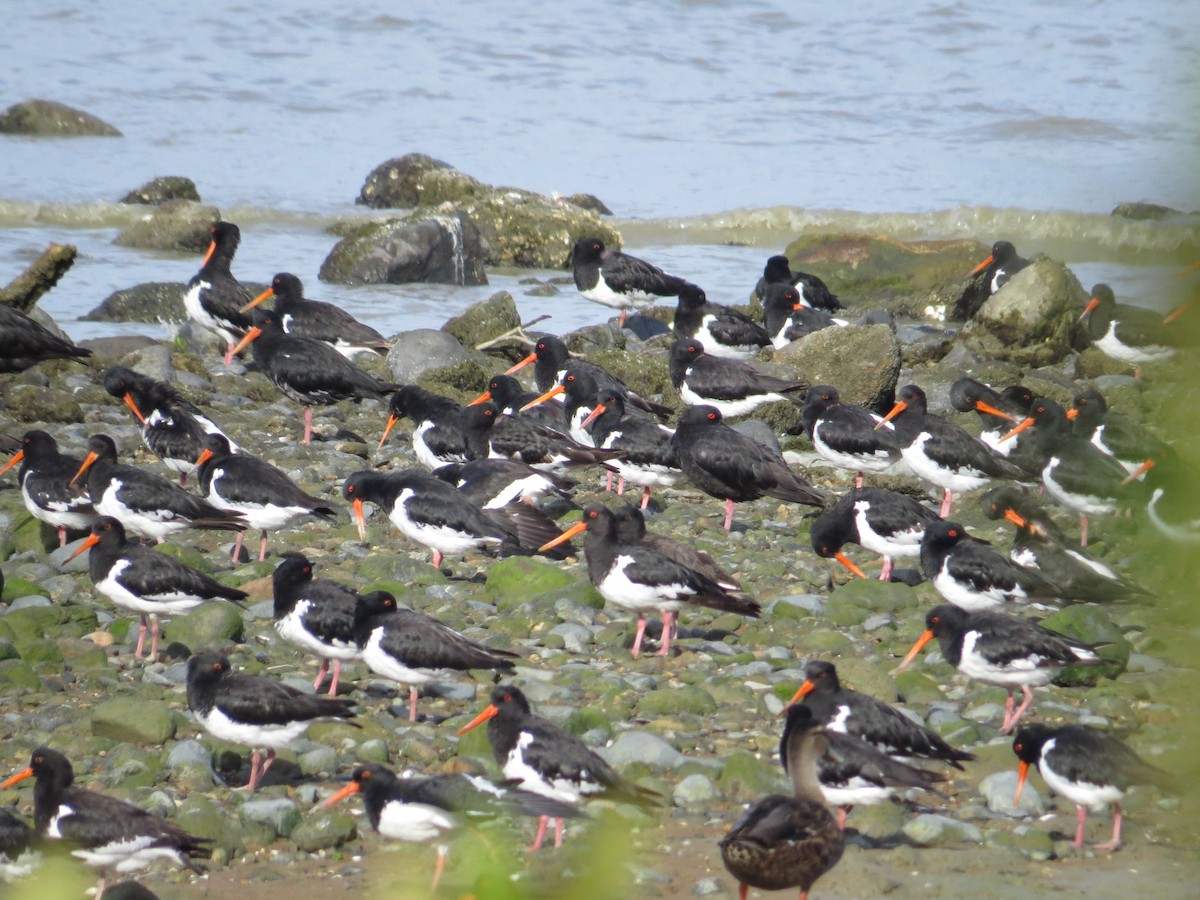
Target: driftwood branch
27	288
514	334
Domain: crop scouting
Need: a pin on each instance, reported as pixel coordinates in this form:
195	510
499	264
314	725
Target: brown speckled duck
787	842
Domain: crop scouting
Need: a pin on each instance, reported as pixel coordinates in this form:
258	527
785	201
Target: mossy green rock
161	189
16	674
154	301
182	225
39	651
50	118
862	360
875	595
202	817
1090	626
19	587
645	373
324	831
189	556
34	403
1032	843
518	578
917	687
208	625
691	699
34	622
8	650
485	320
137	721
745	776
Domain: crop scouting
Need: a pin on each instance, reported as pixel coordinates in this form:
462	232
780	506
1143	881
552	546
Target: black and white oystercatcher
735	388
724	331
316	615
787	842
262	494
1000	649
47	485
493	483
636	578
788	319
324	321
254	711
884	522
145	581
1088	767
617	279
973	576
540	757
997	410
438	435
214	298
813	291
106	833
1123	439
1001	265
512	399
306	370
846	435
411	648
647	456
732	467
25	343
631	529
489	434
1128	334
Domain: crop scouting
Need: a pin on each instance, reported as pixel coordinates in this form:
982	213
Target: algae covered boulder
181	225
159	190
153	301
52	119
398	183
862	360
443	249
1091	626
485	320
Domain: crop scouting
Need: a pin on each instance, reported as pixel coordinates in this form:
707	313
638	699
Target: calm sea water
700	122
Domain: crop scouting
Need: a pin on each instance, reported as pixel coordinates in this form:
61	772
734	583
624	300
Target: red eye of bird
952	532
216	667
365	776
507	697
936	619
570	378
712	415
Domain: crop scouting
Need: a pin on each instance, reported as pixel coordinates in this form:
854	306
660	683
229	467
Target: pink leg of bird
668	628
262	548
337	673
137	651
412	703
153	637
743	891
645	498
438	868
543	821
620	485
1020	711
237	545
558	831
1115	843
1083	529
1008	708
843	811
637	638
308	424
858	480
437	559
947	497
608	477
728	514
885	574
229	352
321	674
62	536
624	316
1081	817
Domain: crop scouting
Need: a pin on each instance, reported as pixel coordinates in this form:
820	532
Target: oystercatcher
1124	440
787	842
733	387
1171	505
939	451
883	522
639	579
863	716
490	434
253	488
1088	767
315	615
997	410
108	834
421	809
145	581
325	322
618	280
726	464
146	504
438	436
846	434
306	370
813	291
1128	334
494	483
25	343
16	838
47	485
411	648
647	456
512	399
972	575
1001	265
254	711
724	331
631	529
173	429
542	758
214	298
787	319
1000	649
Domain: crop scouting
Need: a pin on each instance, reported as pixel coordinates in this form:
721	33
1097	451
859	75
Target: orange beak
91	541
531	358
212	248
1013	516
575	529
348	791
1139	471
849	564
1087	310
916	648
1022	772
803	691
134	408
983	265
482	398
205	456
491	711
360	519
265	295
17	457
597	411
538	401
392	420
992	411
20	776
87	464
1021	426
900	407
250	335
1180	310
1073	413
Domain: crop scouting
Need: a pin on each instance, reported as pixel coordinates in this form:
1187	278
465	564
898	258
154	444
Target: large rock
159	190
138	721
862	360
154	301
423	349
180	225
46	117
485	320
446	249
398	183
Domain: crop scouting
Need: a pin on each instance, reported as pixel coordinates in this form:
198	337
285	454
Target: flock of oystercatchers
491	463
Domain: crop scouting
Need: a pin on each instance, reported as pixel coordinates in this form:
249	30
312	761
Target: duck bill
1139	472
1021	426
531	358
491	711
20	776
265	295
1087	310
1016	518
983	265
392	420
900	407
564	537
1022	774
87	464
91	541
247	338
360	519
133	408
982	407
597	411
849	564
549	395
801	692
348	791
916	648
205	456
482	398
16	458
